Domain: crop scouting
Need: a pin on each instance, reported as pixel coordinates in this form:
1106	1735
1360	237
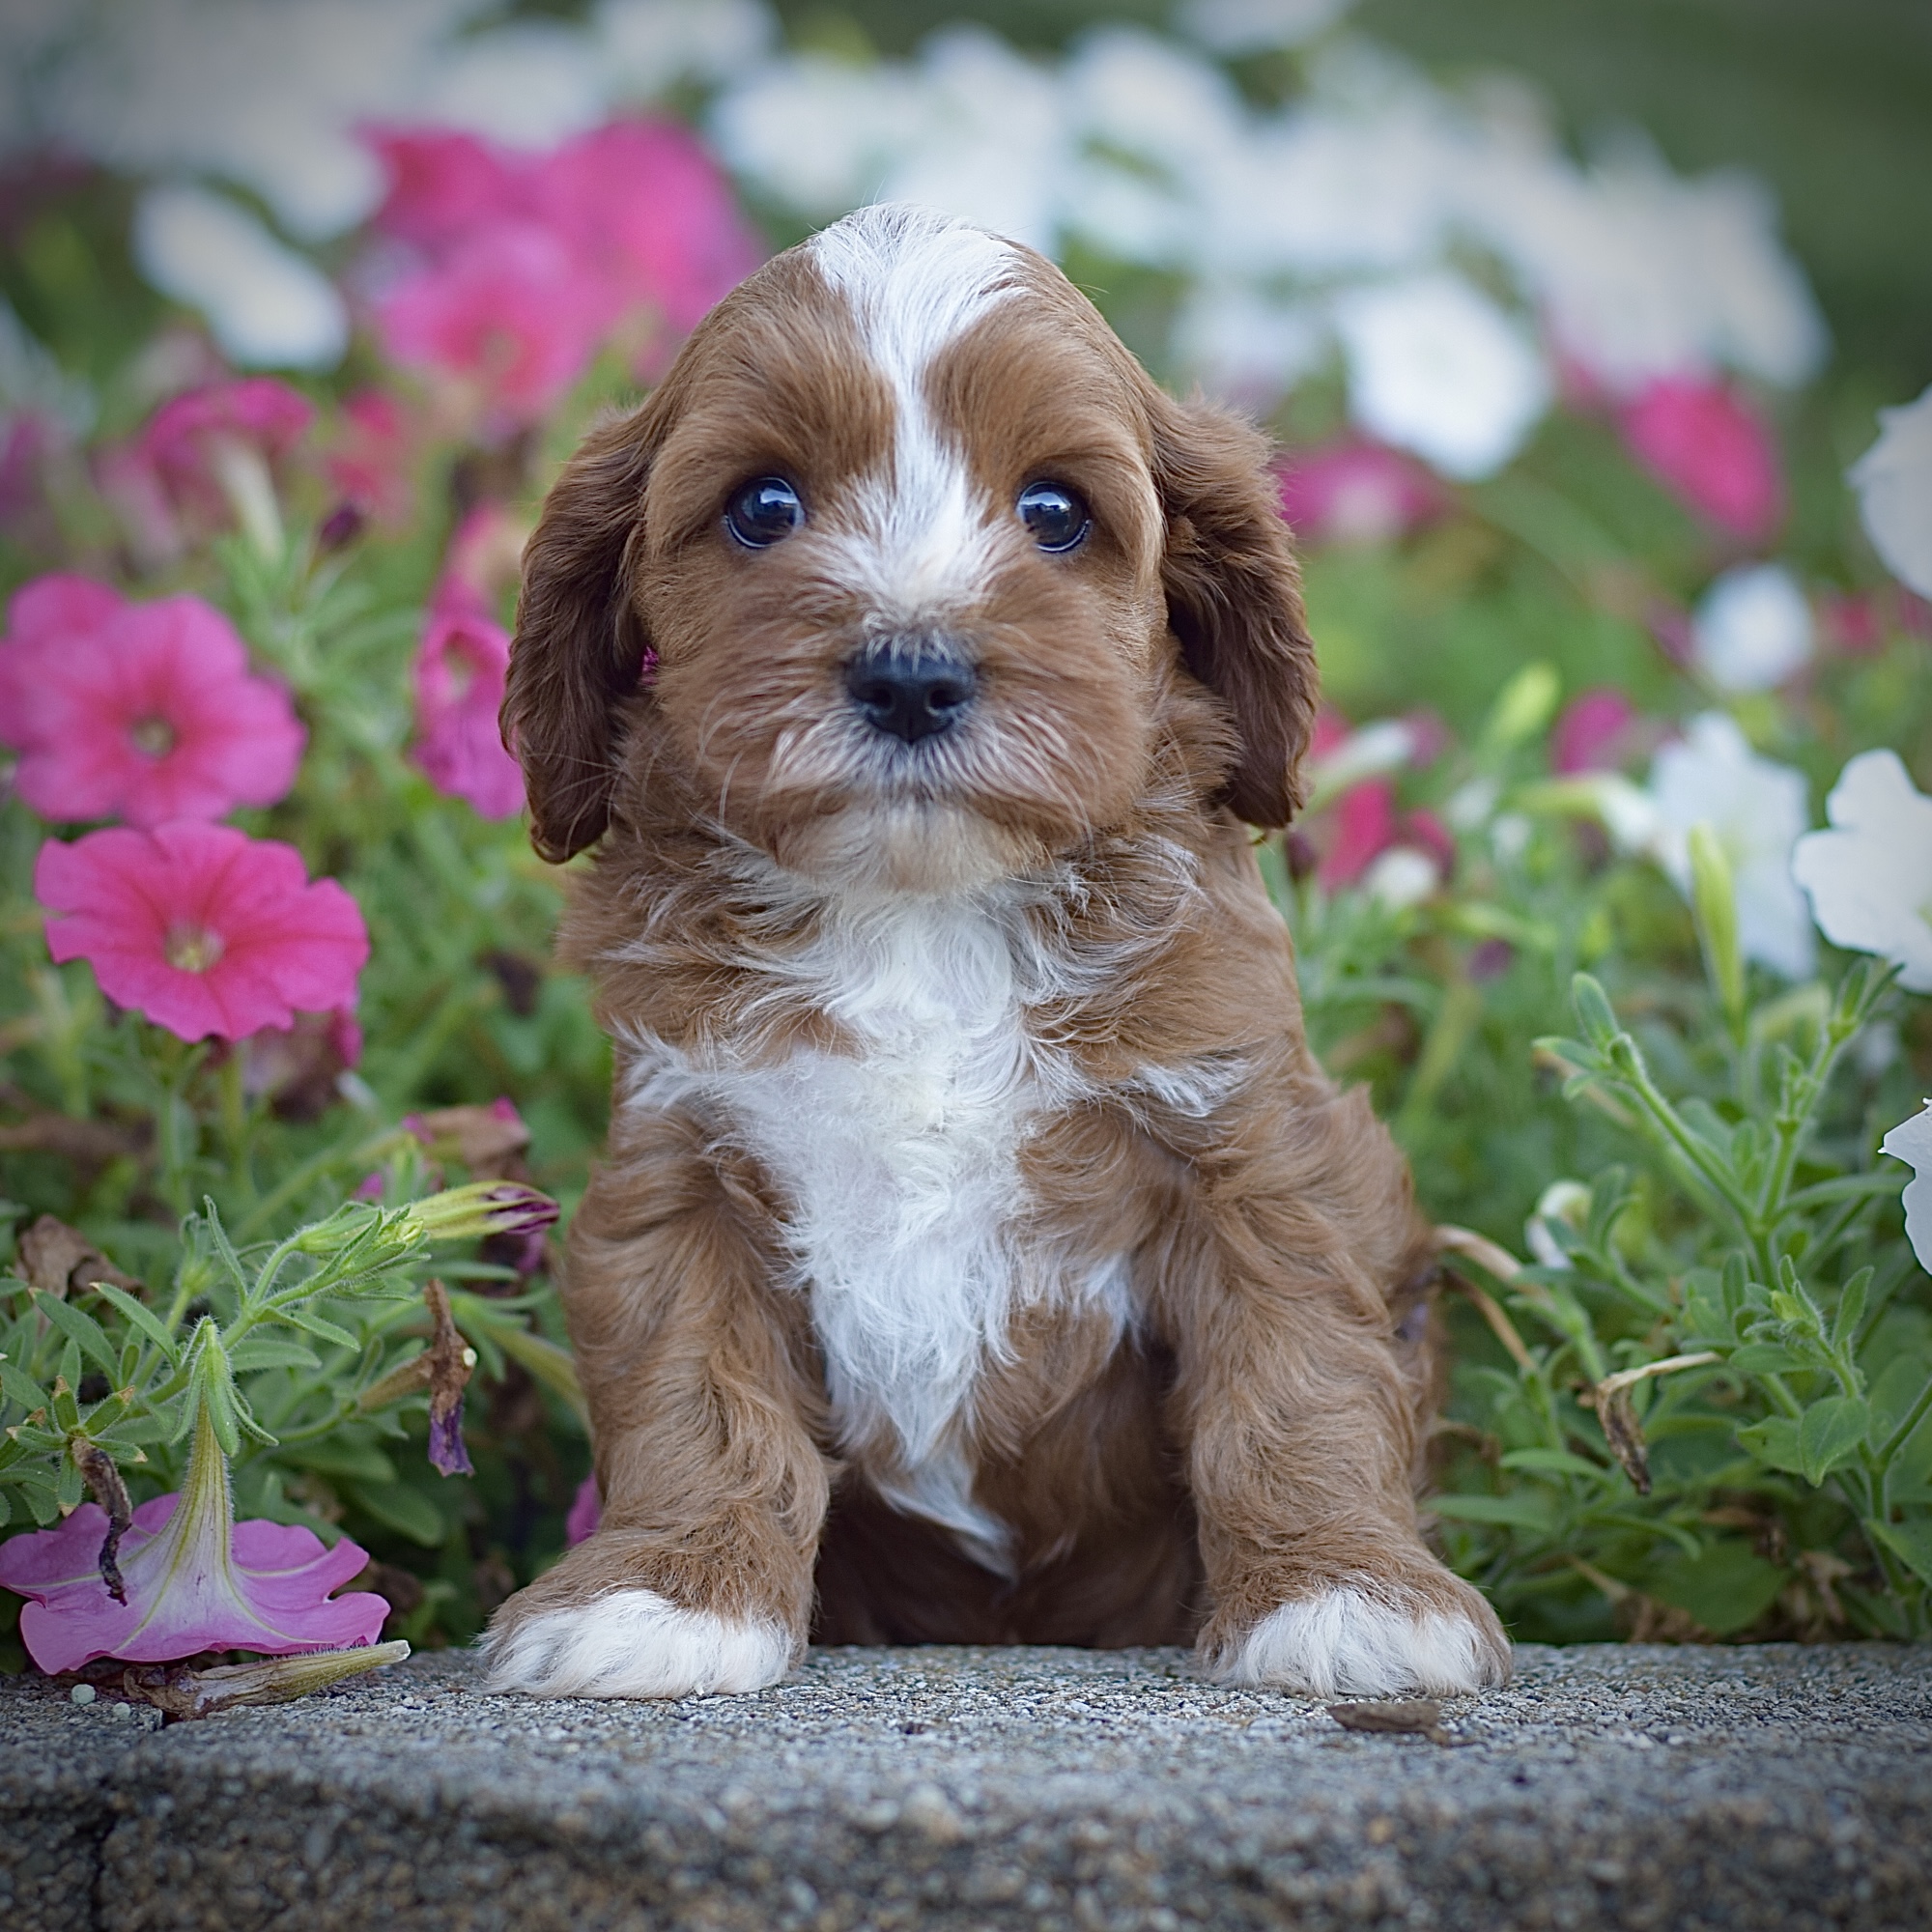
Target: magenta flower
371	462
1593	733
1356	491
215	453
193	1579
460	674
146	712
48	616
1364	828
586	1512
202	928
1706	444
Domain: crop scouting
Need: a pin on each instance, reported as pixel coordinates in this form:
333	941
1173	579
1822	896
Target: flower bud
482	1208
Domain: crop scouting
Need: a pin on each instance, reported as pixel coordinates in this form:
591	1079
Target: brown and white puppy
981	1257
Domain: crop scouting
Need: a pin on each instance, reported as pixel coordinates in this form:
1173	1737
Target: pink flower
1354	492
1591	735
146	712
586	1511
445	184
215	453
1705	443
193	1579
512	311
202	928
1365	827
460	674
372	460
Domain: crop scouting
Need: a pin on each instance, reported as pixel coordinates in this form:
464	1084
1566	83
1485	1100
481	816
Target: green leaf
1910	1541
404	1510
1762	1358
1555	1462
1706	1318
1830	1432
1726	1588
84	1331
270	1351
1520	1511
1593	1009
16	1387
1773	1442
318	1324
142	1317
356	1461
1850	1309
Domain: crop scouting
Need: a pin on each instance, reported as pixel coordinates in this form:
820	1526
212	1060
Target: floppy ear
579	646
1234	598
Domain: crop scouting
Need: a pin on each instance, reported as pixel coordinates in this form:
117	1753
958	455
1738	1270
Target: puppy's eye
763	510
1055	518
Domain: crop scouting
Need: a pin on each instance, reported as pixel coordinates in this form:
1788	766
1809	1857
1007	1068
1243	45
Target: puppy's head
899	573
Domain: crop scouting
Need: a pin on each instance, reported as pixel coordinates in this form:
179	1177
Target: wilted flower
1356	491
461	669
268	307
202	928
1893	479
482	1208
1870	876
1753	628
586	1512
193	1579
1707	445
1593	732
299	1069
146	712
1437	367
1756	810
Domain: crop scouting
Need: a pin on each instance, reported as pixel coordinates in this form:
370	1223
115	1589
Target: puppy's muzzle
910	690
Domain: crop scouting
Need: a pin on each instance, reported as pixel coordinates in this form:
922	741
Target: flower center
153	737
191	949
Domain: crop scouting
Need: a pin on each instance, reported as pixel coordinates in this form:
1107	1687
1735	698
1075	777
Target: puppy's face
907	548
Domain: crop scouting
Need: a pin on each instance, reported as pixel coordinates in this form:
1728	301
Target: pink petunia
1705	443
372	459
513	312
146	712
1356	491
1593	733
215	451
1365	827
193	1579
459	672
202	928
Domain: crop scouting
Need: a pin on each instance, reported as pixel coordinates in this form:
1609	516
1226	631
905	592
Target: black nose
910	691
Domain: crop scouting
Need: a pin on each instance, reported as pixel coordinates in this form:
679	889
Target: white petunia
1254	27
1911	1142
1757	810
1437	367
1870	876
531	83
1402	876
268	307
648	46
1753	628
1893	479
1248	346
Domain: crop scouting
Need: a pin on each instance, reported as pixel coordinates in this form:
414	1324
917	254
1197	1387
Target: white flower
1565	1201
1870	876
531	83
1437	367
1253	26
1911	1142
1893	479
1753	628
1385	746
268	307
649	45
1756	810
1246	346
1402	876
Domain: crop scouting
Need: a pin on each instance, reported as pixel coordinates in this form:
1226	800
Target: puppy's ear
1234	598
580	647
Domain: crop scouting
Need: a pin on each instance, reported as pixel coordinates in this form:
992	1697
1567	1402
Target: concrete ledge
1609	1786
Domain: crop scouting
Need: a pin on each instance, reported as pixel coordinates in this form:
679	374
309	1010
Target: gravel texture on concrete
1609	1786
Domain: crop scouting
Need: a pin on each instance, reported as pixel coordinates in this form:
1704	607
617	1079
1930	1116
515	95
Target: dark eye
762	511
1054	516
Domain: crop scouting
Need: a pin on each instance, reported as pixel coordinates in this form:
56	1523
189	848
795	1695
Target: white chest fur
900	1164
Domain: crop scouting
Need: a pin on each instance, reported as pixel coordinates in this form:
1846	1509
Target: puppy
981	1256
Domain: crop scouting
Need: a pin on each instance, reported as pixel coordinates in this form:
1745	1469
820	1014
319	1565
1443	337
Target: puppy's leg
699	1575
1301	1426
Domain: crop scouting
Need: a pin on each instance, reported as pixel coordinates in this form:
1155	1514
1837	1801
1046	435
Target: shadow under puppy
981	1255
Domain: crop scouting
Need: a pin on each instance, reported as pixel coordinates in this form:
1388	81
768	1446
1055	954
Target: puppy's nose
910	691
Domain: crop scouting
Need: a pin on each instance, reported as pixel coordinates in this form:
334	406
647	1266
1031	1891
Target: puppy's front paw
1345	1640
635	1644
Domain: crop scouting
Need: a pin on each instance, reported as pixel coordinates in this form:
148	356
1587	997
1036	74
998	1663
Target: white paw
1344	1642
635	1644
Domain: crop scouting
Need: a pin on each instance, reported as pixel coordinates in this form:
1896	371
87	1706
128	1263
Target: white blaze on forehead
922	534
